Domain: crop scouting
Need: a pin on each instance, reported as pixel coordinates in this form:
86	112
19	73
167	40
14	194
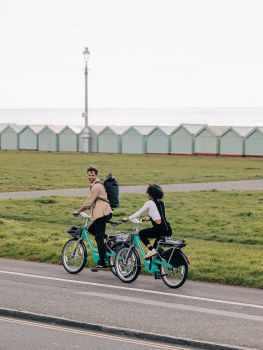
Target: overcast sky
144	53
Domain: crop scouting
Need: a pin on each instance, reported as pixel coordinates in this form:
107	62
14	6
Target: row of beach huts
185	139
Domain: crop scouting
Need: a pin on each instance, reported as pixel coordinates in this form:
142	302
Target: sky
144	53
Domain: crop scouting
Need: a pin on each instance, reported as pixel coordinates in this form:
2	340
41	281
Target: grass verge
224	231
22	171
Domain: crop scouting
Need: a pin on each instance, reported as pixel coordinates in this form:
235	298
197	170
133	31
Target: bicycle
170	264
74	253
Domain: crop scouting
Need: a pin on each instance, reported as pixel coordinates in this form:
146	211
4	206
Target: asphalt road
199	311
220	186
16	334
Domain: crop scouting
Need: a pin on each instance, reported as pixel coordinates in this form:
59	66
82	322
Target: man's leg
100	227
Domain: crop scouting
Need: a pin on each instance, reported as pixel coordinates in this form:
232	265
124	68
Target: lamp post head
86	54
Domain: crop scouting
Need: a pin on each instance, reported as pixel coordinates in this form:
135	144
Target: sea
135	116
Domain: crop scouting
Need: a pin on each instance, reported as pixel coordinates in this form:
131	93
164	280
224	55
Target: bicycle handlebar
84	215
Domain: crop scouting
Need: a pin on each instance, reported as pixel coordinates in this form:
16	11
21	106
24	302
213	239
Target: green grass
21	171
224	231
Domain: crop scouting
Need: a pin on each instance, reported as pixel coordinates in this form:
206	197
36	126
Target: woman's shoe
99	267
151	253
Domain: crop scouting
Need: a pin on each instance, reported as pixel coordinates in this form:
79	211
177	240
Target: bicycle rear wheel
74	256
174	277
127	264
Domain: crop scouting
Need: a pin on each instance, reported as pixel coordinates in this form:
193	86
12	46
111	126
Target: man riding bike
101	213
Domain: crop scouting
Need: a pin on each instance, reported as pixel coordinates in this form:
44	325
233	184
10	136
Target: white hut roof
35	128
243	130
3	126
143	129
215	130
167	129
75	129
118	130
56	128
16	128
260	129
193	128
97	128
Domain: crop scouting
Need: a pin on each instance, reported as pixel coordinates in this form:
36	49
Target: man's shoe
151	253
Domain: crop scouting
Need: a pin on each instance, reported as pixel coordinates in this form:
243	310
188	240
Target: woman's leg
147	233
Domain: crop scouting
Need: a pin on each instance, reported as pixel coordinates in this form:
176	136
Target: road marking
131	289
176	306
89	333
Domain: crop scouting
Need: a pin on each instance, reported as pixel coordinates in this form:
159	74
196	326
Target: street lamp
86	133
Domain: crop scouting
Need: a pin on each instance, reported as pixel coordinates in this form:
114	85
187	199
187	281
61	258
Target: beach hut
109	139
9	137
134	139
207	140
232	141
48	138
28	137
68	139
158	140
2	127
254	143
182	139
93	141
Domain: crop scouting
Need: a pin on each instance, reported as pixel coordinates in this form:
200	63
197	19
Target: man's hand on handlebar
124	219
146	218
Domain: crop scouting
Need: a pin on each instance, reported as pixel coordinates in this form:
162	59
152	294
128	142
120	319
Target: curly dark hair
155	191
93	169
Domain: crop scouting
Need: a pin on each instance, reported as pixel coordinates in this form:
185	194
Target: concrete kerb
125	332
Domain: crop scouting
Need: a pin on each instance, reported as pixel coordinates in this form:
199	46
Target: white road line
175	306
89	333
131	289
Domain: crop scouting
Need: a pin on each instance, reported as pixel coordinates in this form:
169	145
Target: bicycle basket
75	231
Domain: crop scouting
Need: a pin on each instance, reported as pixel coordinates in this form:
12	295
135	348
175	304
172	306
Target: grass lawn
224	231
21	171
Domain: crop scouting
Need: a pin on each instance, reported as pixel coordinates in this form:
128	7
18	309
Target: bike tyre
137	269
84	259
116	247
168	282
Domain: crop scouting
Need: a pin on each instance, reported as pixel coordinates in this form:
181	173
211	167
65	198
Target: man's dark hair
93	169
155	191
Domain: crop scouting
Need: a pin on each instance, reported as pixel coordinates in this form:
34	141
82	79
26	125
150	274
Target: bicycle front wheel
175	276
127	264
74	256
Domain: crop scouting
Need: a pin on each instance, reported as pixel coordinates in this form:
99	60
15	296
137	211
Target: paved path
220	186
203	312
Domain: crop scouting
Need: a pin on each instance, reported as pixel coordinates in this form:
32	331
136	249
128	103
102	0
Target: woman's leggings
152	232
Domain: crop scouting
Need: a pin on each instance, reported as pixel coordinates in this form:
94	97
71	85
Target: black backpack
112	188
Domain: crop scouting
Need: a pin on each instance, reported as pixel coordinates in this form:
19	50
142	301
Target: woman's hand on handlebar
75	213
146	218
124	219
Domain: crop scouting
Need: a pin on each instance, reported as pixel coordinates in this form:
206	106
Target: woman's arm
139	212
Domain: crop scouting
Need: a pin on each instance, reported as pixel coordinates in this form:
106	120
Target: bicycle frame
94	252
152	265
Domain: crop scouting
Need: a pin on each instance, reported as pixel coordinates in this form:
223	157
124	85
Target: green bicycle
74	253
170	264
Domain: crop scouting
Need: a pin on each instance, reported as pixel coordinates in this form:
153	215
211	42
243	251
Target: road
199	311
220	186
19	334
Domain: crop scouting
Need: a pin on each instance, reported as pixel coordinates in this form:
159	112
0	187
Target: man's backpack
112	188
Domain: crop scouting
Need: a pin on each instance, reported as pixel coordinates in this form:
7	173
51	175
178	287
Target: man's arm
90	200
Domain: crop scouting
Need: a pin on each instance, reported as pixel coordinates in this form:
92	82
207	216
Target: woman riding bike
156	211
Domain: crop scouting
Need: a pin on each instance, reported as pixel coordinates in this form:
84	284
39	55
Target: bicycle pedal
157	275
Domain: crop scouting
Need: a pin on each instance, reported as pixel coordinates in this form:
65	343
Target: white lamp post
86	134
